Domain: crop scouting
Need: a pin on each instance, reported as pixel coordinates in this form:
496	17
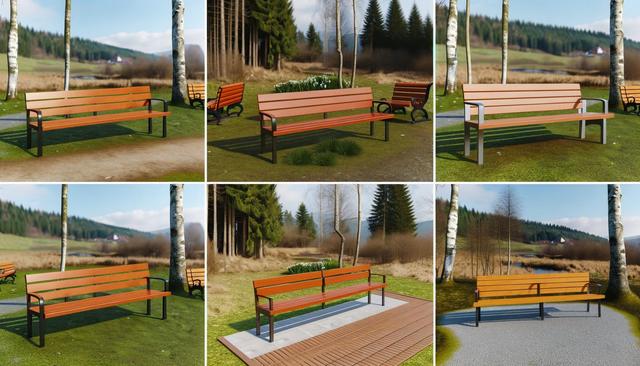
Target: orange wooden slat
287	279
537	299
286	129
339	271
64	111
100	119
534	120
85	93
346	277
288	287
84	281
49	276
519	87
274	97
92	289
53	103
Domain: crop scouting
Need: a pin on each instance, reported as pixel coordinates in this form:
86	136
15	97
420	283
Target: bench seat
536	120
283	306
98	302
537	300
291	128
99	119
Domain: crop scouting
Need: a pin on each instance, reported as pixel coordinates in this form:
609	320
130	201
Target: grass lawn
234	147
234	311
113	336
14	242
551	152
35	65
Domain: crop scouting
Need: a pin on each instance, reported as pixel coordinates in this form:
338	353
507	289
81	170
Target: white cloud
30	195
29	12
631	27
591	225
149	220
152	42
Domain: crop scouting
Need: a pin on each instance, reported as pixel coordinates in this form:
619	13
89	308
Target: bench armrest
599	286
164	282
381	102
274	121
37	112
164	102
41	301
605	103
384	276
265	297
467	111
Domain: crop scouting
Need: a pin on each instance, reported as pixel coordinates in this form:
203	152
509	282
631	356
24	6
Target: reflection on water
537	270
540	71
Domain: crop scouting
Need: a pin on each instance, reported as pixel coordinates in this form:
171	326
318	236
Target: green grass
113	336
234	147
551	152
14	242
37	65
238	314
516	246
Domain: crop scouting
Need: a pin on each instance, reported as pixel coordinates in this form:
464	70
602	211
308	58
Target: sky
310	11
291	195
138	206
142	25
583	14
578	206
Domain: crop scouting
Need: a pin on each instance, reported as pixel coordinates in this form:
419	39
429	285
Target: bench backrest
229	94
629	92
195	276
7	269
314	102
411	92
332	276
196	91
532	284
61	103
518	98
57	285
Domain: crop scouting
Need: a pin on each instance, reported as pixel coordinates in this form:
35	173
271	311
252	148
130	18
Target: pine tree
428	34
396	26
416	38
275	18
305	221
287	219
314	43
392	211
373	32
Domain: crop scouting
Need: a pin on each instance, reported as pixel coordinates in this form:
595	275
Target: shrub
324	159
300	157
317	82
304	267
340	147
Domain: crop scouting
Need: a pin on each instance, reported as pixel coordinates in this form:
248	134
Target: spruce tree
305	221
314	43
392	211
287	219
373	32
428	34
275	18
396	26
415	40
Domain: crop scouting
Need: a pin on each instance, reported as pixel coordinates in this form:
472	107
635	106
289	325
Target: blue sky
138	206
291	195
584	14
143	25
579	206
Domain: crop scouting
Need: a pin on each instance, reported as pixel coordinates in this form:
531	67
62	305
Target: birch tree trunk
12	52
67	44
355	257
63	229
179	89
618	281
452	231
178	258
505	39
355	46
339	45
452	47
616	47
336	222
468	42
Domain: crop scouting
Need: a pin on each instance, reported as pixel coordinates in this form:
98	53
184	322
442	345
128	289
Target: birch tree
336	221
355	46
452	232
618	281
339	43
63	229
468	42
67	44
505	39
12	52
179	89
177	261
616	40
359	200
452	47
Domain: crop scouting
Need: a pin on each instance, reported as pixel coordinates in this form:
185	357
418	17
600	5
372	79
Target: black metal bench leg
372	128
40	141
386	130
41	330
588	303
164	307
148	307
480	147
164	126
542	311
274	149
150	126
262	141
257	322
29	142
369	297
477	317
271	330
29	324
603	131
599	310
467	139
382	296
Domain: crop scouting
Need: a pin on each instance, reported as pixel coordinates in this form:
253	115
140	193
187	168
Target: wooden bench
45	291
7	272
273	107
196	93
534	289
266	288
482	100
195	279
228	97
407	95
630	95
78	108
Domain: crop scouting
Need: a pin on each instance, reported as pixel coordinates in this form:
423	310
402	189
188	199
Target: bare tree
67	44
505	39
179	88
359	224
468	42
452	232
355	46
616	46
452	47
12	51
618	280
509	208
177	261
336	221
213	248
339	43
63	228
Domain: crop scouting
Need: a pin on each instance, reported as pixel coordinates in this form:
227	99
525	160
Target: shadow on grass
468	318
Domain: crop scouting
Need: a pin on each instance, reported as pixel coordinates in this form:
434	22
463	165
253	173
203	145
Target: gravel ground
569	335
8	306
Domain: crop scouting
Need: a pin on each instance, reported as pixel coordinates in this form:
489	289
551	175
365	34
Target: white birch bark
339	43
12	51
63	229
505	40
468	43
355	257
336	221
616	37
179	89
67	44
618	280
177	261
452	47
452	232
355	46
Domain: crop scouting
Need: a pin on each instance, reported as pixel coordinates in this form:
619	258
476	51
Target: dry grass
276	259
421	270
462	267
573	265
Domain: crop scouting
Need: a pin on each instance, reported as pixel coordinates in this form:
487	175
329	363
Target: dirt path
122	163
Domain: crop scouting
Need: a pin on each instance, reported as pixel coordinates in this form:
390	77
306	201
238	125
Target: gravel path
569	335
449	118
8	306
12	120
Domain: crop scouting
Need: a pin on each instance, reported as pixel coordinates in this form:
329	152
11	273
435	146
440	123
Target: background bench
77	108
7	272
45	292
267	288
407	95
534	289
630	98
195	280
482	100
274	107
196	93
229	97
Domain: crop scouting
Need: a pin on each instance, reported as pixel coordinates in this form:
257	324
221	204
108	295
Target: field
234	147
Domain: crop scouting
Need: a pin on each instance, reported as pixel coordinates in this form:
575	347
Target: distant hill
21	221
487	31
40	44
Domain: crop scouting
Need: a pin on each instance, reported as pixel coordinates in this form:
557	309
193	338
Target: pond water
537	270
539	71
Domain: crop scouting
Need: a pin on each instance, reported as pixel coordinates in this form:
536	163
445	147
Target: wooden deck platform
388	338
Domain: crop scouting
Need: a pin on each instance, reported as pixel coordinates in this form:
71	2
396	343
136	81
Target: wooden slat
100	119
537	299
346	277
339	271
533	276
288	287
53	103
286	129
85	281
92	289
63	111
287	279
535	120
274	97
50	276
85	93
497	286
519	87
